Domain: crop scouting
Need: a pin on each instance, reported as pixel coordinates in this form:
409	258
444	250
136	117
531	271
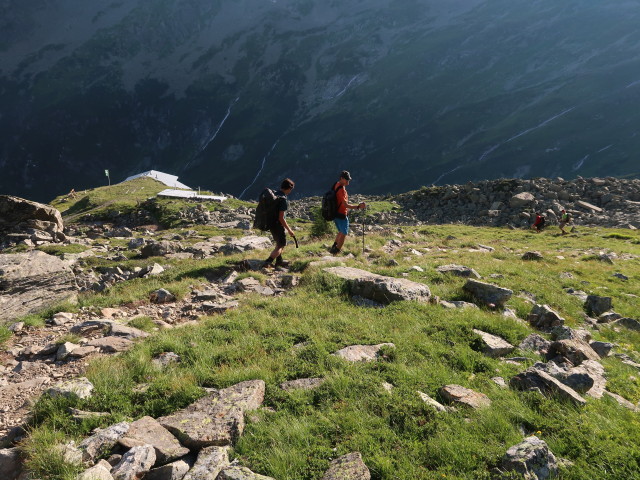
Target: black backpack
266	211
330	204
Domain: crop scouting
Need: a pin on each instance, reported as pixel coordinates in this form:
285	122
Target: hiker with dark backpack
270	215
338	208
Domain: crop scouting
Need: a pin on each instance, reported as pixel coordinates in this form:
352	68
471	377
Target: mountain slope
233	95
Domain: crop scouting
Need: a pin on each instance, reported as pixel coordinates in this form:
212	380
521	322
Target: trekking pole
363	219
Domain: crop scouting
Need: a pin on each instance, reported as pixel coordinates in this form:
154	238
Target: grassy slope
398	436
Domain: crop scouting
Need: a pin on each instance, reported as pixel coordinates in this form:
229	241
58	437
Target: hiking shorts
279	235
342	224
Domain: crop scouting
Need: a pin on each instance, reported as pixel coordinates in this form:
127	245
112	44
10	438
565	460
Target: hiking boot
333	250
268	263
281	263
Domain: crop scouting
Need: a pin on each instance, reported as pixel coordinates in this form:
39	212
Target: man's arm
283	222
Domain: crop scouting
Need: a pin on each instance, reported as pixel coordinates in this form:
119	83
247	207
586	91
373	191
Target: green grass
397	434
60	250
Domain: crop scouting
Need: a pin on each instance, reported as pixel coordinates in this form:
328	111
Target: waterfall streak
264	161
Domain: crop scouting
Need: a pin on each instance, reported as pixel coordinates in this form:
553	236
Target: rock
16	327
430	401
544	318
92	327
130	333
535	379
160	249
464	396
458	271
567	333
17	214
10	463
457	304
111	344
608	317
33	281
65	349
80	387
164	359
596	305
380	288
574	350
493	346
147	431
536	343
362	353
211	460
489	294
135	463
588	206
97	472
521	200
302	384
81	415
603	349
532	256
171	471
347	467
217	419
162	296
247	243
532	459
621	276
621	400
102	441
151	270
500	382
240	473
629	323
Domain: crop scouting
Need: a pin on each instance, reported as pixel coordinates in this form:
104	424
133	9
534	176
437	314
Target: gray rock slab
147	431
171	471
531	458
101	442
629	323
210	462
362	353
380	288
544	317
80	387
135	463
574	350
244	244
131	333
92	327
492	345
218	418
458	271
11	464
348	467
535	343
111	344
596	305
487	293
240	473
97	472
603	349
532	256
459	395
431	402
534	379
32	282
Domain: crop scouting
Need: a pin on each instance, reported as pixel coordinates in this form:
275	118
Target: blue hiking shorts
342	224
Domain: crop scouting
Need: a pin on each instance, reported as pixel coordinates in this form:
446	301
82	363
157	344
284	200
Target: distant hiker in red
538	225
278	229
342	220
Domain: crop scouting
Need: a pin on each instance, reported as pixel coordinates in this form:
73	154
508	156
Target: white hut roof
168	180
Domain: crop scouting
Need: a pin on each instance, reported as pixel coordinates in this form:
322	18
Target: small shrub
320	226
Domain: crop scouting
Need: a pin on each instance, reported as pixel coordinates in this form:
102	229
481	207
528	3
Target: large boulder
211	460
538	380
521	200
244	244
10	463
532	459
33	281
544	317
20	215
491	295
379	288
217	419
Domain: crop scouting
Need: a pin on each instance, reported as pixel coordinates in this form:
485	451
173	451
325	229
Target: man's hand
362	206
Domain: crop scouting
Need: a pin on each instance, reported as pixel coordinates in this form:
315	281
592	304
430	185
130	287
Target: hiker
565	218
538	225
72	193
342	220
279	227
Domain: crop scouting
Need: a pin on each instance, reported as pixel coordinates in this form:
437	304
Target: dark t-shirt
283	201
